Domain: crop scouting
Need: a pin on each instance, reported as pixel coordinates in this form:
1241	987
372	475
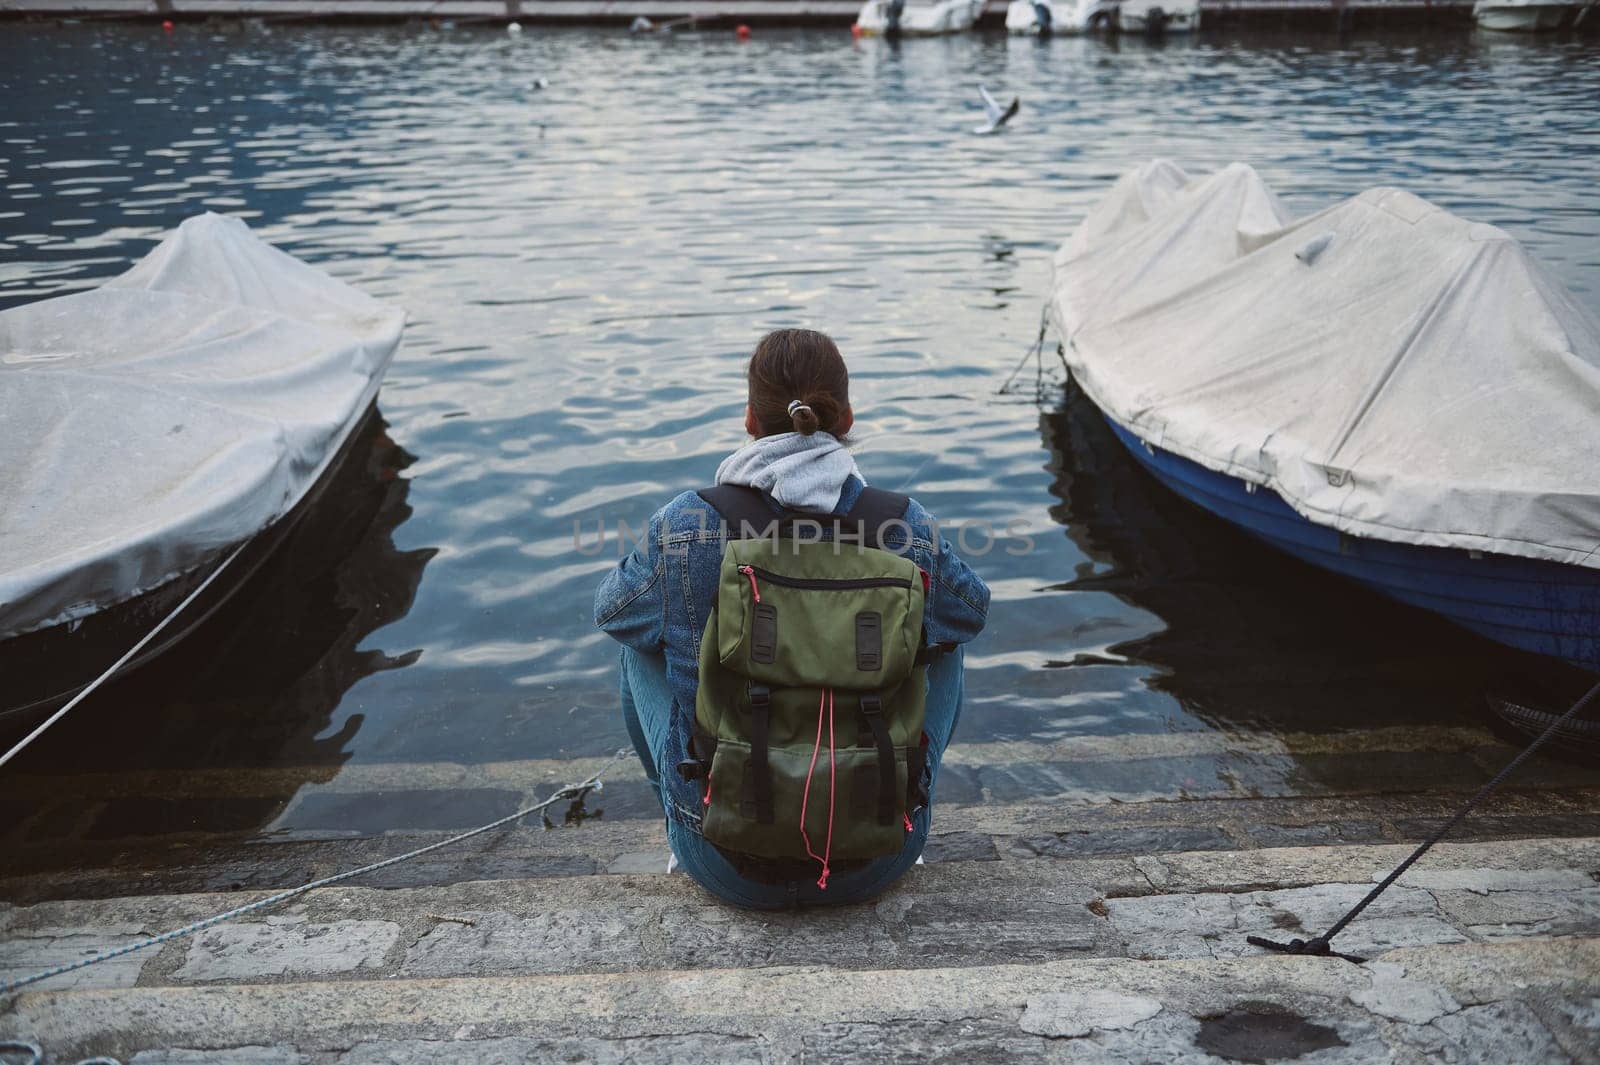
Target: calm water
586	266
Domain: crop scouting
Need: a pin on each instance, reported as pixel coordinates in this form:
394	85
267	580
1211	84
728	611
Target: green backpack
808	721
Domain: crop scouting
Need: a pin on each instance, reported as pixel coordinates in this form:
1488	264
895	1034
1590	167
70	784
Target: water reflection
258	684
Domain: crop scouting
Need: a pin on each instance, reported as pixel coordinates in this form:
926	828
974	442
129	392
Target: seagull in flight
997	116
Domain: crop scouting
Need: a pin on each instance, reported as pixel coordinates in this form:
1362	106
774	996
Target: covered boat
178	415
1380	388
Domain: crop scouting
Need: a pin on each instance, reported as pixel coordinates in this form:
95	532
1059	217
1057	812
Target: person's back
658	601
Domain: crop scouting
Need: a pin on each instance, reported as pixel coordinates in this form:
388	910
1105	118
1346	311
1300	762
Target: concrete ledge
529	11
536	11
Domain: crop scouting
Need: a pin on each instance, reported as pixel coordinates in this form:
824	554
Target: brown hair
798	370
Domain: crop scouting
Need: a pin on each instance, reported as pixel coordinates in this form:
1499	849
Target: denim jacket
658	598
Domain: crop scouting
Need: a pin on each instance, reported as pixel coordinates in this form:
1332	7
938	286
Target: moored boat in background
177	419
1382	389
896	18
1521	16
1155	17
1044	18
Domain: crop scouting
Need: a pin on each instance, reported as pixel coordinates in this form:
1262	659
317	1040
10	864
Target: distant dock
1332	13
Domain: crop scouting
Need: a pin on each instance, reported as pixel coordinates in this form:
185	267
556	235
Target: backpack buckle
871	705
692	769
760	695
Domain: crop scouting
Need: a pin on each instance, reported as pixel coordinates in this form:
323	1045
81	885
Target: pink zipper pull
749	571
707	800
907	819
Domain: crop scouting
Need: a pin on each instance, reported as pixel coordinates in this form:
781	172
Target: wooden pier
766	12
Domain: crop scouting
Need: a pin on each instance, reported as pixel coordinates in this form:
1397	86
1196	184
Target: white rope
571	790
119	663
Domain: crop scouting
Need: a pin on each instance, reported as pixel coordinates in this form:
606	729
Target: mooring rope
590	783
1321	946
1035	351
127	656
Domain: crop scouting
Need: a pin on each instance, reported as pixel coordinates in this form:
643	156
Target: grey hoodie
801	472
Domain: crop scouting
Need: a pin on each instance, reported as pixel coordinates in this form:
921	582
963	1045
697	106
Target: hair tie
795	404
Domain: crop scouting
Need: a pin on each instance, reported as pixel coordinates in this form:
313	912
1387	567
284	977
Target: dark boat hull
1543	607
42	670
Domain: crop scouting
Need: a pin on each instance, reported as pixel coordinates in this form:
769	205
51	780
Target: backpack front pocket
782	625
733	816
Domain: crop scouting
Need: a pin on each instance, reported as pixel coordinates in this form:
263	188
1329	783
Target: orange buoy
742	32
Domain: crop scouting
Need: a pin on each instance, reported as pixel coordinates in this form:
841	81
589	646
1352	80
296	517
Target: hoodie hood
801	472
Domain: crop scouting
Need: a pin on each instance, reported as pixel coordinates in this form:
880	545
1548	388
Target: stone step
82	838
367	798
1168	906
586	845
1529	1001
524	775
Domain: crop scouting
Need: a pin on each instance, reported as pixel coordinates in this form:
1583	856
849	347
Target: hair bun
803	417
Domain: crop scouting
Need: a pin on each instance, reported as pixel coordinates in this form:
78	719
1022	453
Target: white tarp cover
180	408
1389	369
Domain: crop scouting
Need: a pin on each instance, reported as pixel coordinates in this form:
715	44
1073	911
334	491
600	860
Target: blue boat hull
1543	607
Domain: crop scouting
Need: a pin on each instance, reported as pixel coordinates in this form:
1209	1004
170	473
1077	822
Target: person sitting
727	687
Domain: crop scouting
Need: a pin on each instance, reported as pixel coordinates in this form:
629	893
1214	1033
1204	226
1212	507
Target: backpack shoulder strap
739	505
875	508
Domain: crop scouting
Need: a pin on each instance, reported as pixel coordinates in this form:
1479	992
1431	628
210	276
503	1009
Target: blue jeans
647	711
